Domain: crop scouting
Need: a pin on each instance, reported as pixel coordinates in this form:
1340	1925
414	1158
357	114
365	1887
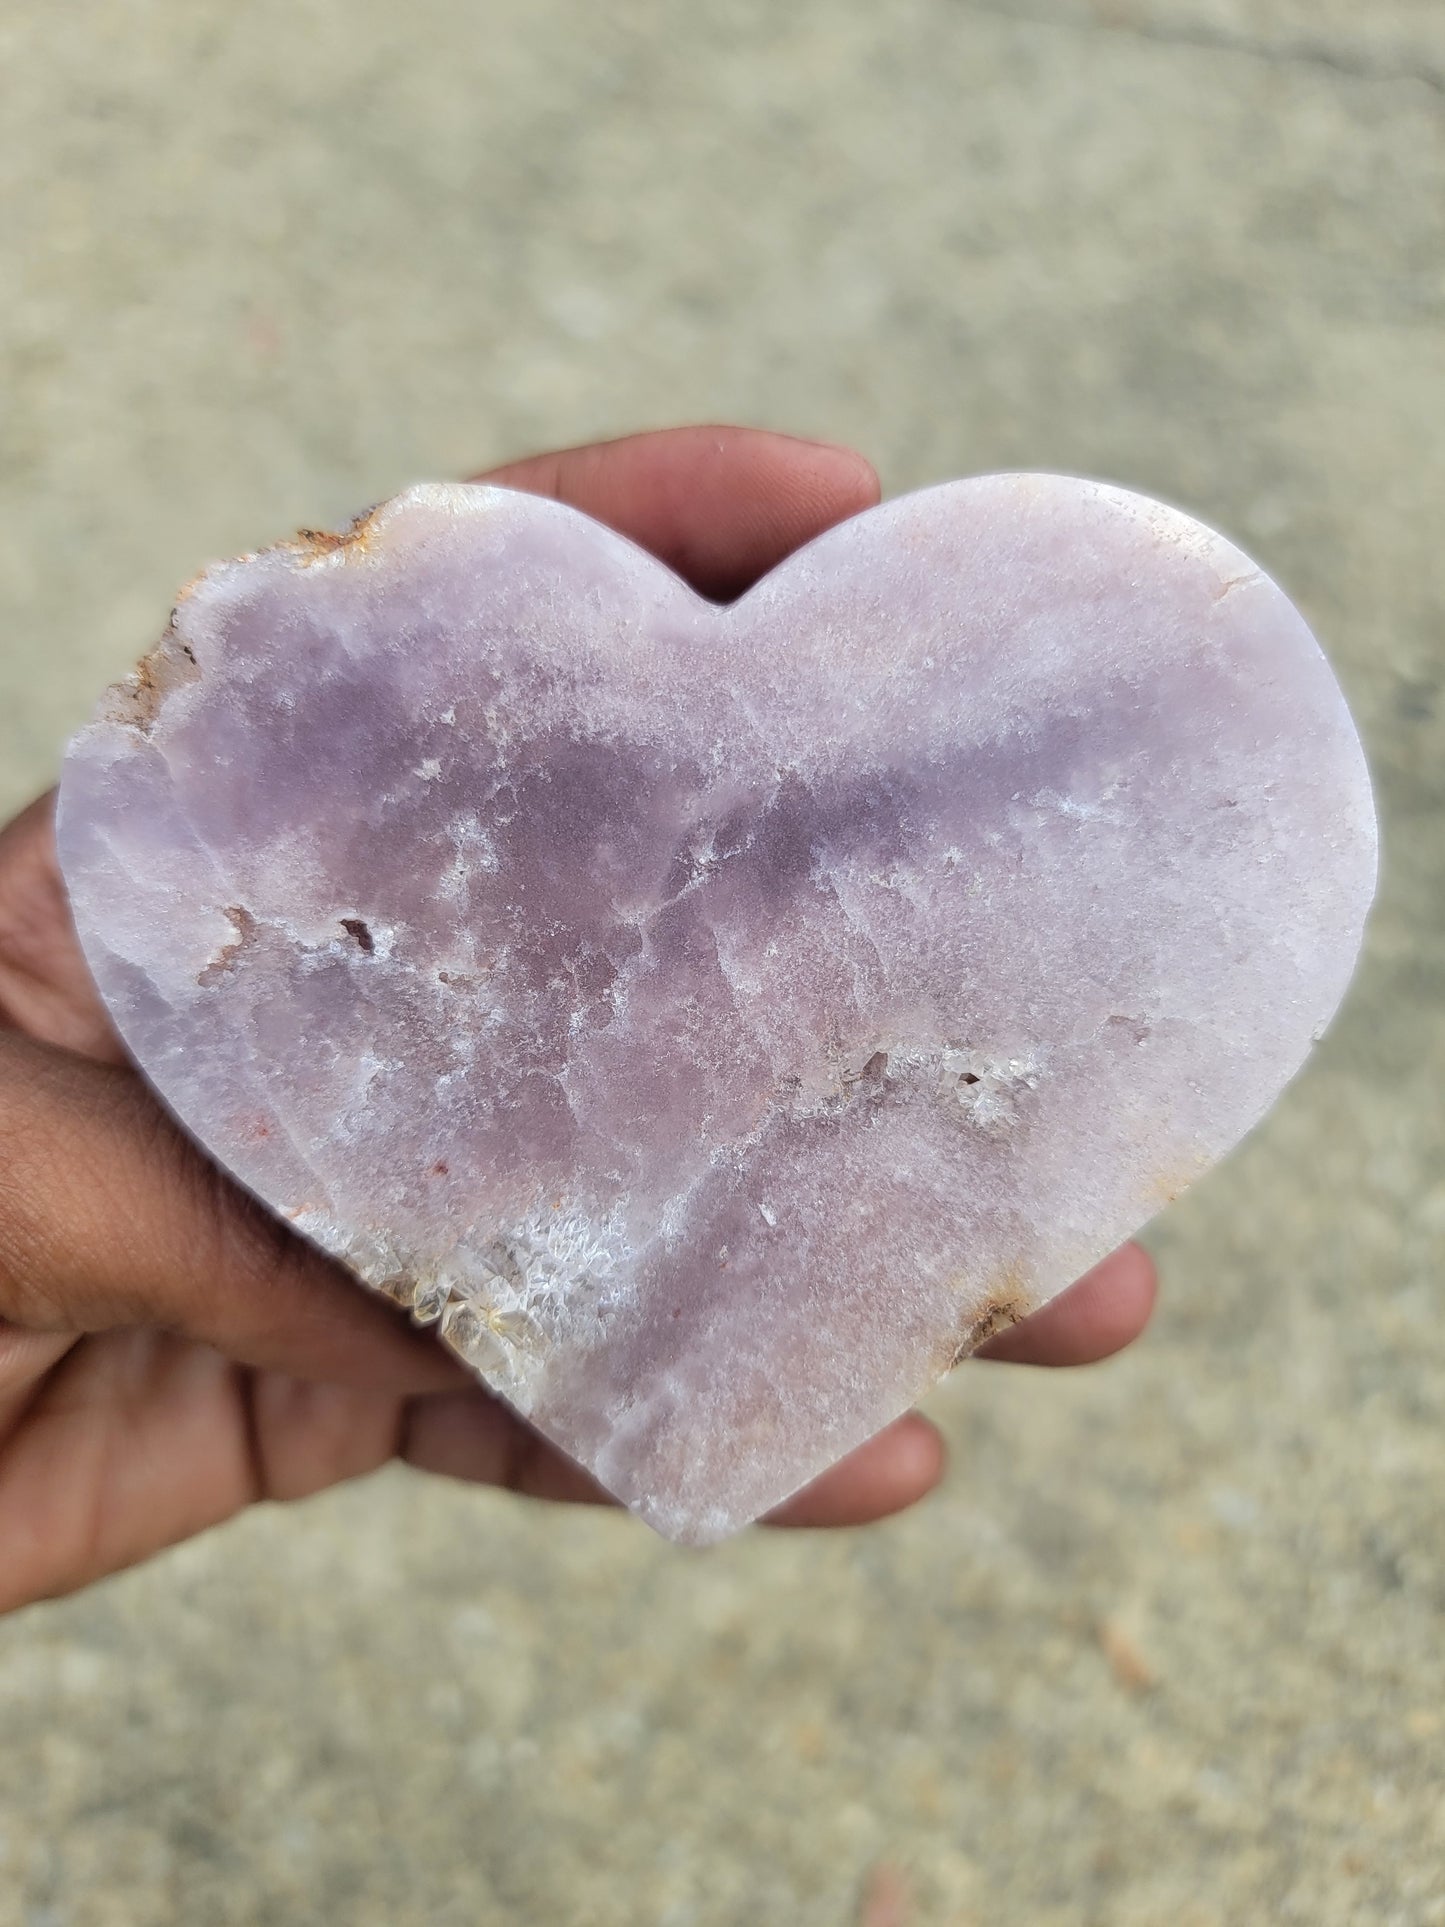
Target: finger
1103	1312
305	1437
45	987
127	1445
721	506
25	1358
139	1439
27	1355
469	1435
892	1471
110	1217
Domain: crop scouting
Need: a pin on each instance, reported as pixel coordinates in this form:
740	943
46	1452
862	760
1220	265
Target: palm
168	1352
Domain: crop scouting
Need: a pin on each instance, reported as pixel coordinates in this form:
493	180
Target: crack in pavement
1204	38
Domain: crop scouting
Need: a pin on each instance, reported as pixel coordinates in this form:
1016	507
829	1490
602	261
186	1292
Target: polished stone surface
719	1021
246	294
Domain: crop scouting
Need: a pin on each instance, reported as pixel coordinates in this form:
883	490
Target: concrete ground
1170	1646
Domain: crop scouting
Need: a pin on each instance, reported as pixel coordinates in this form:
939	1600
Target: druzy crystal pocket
717	1020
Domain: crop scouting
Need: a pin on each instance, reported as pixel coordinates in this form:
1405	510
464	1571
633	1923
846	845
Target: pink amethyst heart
719	1020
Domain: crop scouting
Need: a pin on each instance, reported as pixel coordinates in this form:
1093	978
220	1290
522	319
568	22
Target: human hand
169	1352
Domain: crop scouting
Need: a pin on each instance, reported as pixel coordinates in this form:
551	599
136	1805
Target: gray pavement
1170	1646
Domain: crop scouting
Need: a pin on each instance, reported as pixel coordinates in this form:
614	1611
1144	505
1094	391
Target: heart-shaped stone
721	1019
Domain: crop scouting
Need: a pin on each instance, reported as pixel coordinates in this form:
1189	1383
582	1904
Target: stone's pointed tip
716	1022
695	1531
